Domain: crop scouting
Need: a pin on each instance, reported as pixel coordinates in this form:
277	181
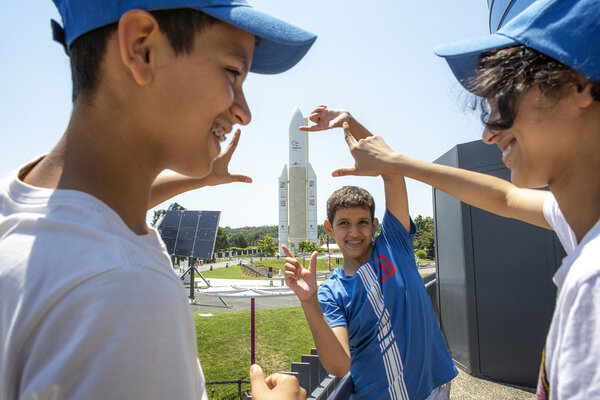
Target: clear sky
373	58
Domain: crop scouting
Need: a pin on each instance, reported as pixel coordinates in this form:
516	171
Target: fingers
234	142
287	251
348	135
285	386
312	128
293	266
258	384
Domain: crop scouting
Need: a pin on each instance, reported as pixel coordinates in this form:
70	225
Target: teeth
219	133
507	150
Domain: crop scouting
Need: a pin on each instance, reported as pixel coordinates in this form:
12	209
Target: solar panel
190	233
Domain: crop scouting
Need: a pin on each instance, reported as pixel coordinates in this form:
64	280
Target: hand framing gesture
303	282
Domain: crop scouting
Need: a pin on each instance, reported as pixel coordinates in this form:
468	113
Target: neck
351	265
98	156
577	191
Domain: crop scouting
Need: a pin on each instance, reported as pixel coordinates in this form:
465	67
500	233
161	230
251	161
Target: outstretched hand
325	118
274	387
303	282
372	156
219	173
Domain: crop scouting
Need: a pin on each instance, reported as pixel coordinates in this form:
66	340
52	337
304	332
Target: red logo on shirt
386	266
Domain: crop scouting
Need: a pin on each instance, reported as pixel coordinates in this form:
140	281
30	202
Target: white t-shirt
557	221
88	309
572	354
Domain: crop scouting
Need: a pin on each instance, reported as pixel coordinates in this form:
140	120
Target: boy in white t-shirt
89	306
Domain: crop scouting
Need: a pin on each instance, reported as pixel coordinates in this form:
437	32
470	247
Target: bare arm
332	343
480	190
169	185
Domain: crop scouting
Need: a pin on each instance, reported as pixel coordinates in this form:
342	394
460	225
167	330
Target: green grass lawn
322	263
282	336
235	271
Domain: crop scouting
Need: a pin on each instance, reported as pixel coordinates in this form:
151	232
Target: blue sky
372	58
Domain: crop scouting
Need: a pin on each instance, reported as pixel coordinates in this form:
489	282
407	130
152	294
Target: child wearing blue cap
538	80
89	306
373	316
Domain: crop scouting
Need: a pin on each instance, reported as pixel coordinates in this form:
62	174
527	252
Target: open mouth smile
218	132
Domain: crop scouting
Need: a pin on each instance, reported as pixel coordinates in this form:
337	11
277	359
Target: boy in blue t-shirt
373	316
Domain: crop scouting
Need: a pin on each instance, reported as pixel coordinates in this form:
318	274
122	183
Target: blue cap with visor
279	46
566	30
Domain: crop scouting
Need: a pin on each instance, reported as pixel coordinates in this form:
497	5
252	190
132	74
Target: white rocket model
297	191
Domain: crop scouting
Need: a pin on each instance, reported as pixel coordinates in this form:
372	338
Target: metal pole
192	274
252	331
328	253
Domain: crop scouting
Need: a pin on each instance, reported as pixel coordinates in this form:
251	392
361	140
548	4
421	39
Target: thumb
313	262
241	178
258	384
344	171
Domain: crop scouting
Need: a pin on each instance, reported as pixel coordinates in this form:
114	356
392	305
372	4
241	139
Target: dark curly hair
87	52
347	197
505	75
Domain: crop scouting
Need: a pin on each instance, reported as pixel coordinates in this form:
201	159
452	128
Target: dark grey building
495	289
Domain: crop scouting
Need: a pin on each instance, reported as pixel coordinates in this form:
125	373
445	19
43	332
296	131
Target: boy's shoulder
335	282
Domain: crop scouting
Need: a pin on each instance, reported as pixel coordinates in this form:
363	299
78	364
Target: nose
240	110
490	136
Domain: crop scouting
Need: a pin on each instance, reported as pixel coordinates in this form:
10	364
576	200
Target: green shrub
421	253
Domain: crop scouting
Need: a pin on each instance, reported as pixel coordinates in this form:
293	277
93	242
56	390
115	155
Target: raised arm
168	185
371	158
332	344
480	190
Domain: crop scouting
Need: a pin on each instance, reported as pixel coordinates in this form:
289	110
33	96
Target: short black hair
348	197
505	75
87	51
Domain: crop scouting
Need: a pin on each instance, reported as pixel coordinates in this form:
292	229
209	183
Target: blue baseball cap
566	30
502	11
280	45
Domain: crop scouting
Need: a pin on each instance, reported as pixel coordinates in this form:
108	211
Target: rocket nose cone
296	119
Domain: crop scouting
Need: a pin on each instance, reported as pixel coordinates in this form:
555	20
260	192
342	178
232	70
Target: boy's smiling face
199	97
353	229
543	141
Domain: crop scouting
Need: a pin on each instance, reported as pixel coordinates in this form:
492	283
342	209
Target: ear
139	36
375	225
328	228
584	96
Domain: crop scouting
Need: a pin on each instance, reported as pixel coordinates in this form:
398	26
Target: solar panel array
190	233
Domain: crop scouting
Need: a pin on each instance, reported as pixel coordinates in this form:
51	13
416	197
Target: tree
239	240
307	247
424	237
221	242
321	230
267	245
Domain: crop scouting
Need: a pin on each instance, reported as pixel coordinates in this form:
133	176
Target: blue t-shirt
396	347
